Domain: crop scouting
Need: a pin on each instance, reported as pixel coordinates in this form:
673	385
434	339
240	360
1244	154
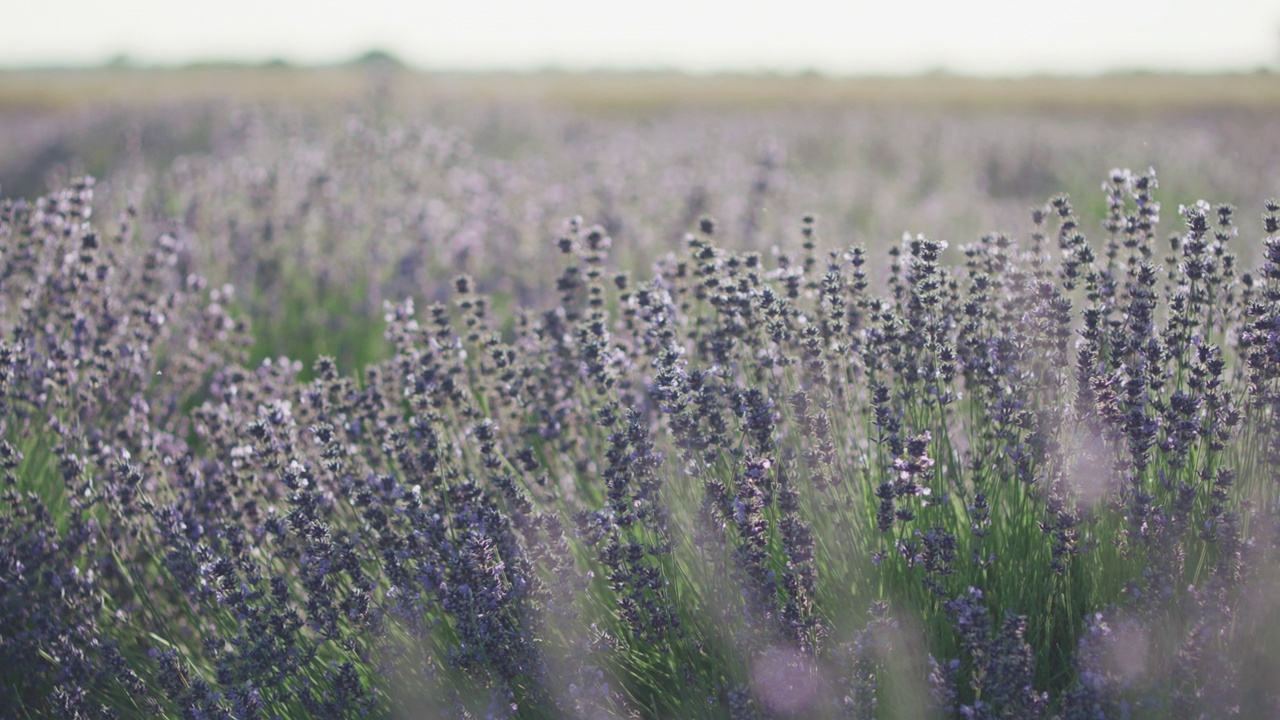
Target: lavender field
505	405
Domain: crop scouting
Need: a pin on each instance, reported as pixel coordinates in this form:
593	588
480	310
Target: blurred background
382	146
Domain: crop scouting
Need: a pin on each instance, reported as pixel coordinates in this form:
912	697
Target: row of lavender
1039	481
318	215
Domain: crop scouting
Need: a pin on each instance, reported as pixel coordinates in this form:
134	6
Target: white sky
1005	37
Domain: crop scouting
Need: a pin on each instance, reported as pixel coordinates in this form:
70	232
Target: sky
984	37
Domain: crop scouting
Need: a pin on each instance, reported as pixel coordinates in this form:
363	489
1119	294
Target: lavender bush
1030	476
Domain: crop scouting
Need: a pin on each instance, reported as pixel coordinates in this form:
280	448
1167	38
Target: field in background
1061	132
642	154
62	90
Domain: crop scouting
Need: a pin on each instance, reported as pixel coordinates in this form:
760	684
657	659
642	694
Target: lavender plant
1028	477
